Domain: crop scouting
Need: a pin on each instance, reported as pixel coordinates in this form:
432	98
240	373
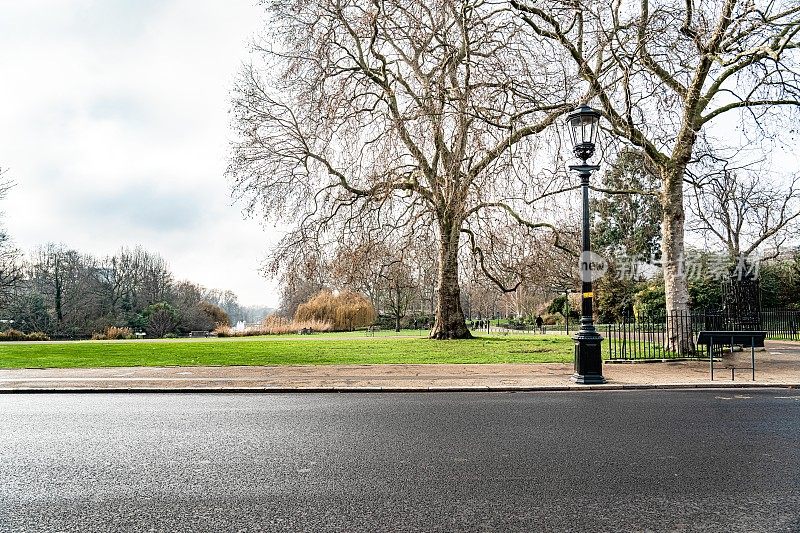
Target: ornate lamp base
588	358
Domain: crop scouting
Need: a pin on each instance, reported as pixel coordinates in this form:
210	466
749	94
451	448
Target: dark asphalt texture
714	460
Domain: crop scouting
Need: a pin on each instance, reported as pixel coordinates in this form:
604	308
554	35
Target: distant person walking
539	323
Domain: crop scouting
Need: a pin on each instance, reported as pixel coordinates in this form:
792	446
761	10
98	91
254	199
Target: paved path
597	461
780	365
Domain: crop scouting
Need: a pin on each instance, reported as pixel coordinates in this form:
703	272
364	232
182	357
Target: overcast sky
114	126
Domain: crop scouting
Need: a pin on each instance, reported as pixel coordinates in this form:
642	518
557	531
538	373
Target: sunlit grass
327	349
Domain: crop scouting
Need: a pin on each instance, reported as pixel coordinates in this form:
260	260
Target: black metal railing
780	324
654	336
671	335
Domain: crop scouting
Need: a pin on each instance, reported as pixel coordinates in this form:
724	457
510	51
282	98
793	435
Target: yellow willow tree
401	113
664	73
344	310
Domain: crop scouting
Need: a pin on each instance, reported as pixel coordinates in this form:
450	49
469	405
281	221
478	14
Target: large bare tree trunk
450	323
676	288
672	228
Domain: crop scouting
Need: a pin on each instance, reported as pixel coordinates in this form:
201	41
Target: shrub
198	316
344	310
551	320
170	336
161	318
13	335
650	300
273	325
276	325
114	333
215	313
17	335
37	336
224	331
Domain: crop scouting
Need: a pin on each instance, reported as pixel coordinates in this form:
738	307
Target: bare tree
11	270
390	272
663	73
302	272
228	301
746	212
405	114
69	282
357	265
399	286
10	257
134	278
481	294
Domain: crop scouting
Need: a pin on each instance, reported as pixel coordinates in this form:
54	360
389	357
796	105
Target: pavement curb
361	390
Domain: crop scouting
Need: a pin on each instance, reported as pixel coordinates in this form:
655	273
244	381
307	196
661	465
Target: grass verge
315	350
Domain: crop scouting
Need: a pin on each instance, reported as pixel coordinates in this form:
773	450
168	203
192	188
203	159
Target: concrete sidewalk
778	366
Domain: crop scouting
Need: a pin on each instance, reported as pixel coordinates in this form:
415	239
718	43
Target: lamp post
583	127
566	306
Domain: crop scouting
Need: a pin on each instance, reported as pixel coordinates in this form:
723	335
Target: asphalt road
722	460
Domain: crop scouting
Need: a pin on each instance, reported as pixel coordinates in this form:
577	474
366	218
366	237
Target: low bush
222	331
114	333
119	333
13	335
160	318
518	323
552	319
17	335
273	325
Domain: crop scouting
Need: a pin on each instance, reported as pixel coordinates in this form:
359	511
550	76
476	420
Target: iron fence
671	335
780	324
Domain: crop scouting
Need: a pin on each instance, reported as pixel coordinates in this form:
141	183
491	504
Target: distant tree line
65	293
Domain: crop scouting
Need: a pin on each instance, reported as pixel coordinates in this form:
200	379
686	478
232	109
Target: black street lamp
583	127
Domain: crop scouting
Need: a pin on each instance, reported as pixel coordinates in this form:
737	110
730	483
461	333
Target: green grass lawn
294	350
377	333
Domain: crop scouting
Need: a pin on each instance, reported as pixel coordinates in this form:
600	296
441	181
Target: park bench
753	339
199	333
305	331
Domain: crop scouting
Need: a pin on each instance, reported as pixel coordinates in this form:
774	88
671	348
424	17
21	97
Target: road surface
723	460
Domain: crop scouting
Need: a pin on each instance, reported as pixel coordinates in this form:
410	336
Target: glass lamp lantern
583	128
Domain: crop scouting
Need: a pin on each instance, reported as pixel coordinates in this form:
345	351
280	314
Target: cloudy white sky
114	126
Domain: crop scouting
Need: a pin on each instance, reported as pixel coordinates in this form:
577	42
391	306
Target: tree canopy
394	117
